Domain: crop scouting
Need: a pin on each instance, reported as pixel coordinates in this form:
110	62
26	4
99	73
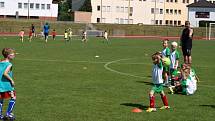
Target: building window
1	4
167	22
175	23
48	6
117	20
130	21
175	12
167	0
179	23
126	9
171	1
98	20
156	22
37	6
31	5
171	11
98	8
26	5
103	20
176	1
122	9
104	8
188	1
183	1
121	21
20	5
170	22
152	10
108	8
117	9
42	6
126	21
167	11
152	21
161	11
161	22
179	11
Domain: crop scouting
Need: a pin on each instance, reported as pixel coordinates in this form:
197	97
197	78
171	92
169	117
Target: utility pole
28	10
101	12
129	10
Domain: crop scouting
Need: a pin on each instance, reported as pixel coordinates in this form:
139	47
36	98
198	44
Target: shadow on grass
211	106
135	105
147	83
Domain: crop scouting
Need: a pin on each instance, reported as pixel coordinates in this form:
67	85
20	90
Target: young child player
157	80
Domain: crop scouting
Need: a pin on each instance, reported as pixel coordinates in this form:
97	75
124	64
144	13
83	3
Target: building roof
56	1
202	4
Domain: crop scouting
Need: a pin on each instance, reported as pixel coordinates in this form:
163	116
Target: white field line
118	72
131	75
106	66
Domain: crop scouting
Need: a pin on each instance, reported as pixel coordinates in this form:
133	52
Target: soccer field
60	81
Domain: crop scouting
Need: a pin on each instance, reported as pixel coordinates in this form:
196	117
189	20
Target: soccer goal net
211	33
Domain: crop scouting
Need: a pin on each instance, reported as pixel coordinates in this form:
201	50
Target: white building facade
32	9
201	11
158	12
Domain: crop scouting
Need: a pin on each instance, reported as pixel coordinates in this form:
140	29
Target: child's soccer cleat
10	117
165	107
151	110
1	117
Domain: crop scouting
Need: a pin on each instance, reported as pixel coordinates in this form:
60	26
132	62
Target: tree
64	10
87	7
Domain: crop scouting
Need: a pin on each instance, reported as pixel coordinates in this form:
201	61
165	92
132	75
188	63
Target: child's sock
11	106
164	99
1	106
152	101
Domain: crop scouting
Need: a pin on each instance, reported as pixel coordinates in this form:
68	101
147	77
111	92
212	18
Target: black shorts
46	34
186	51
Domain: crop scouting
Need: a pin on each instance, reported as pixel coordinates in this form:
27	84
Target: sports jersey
157	71
166	52
5	84
173	57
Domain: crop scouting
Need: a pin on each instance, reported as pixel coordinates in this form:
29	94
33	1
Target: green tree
86	6
64	10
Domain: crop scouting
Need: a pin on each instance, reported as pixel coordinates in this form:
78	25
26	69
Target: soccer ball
166	61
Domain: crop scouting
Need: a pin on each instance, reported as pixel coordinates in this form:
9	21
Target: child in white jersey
157	79
174	58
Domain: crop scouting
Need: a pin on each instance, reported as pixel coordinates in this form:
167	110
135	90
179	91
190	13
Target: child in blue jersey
157	79
46	31
7	82
165	54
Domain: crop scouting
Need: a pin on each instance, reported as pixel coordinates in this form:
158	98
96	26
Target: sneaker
165	107
10	116
151	110
1	117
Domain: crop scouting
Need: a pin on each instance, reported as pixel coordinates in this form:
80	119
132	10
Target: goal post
211	32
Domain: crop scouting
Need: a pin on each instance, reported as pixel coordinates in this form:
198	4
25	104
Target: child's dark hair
7	51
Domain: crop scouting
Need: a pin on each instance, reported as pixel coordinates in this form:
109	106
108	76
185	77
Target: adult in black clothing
33	29
186	42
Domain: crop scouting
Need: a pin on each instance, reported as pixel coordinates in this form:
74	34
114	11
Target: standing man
33	30
186	42
46	31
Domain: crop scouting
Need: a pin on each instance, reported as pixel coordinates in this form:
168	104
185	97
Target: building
28	9
158	12
201	11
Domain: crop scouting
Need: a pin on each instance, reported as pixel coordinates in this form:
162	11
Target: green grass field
66	82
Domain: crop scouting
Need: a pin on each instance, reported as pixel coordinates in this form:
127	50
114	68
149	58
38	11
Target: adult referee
186	42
